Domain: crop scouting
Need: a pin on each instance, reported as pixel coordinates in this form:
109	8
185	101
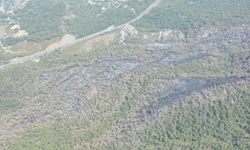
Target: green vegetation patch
49	138
41	19
219	124
47	19
9	105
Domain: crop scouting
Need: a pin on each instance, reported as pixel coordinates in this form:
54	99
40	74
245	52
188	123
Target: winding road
109	29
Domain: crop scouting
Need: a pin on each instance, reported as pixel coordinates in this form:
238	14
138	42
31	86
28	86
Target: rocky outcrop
127	30
171	35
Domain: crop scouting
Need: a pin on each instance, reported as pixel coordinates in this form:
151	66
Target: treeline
183	15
